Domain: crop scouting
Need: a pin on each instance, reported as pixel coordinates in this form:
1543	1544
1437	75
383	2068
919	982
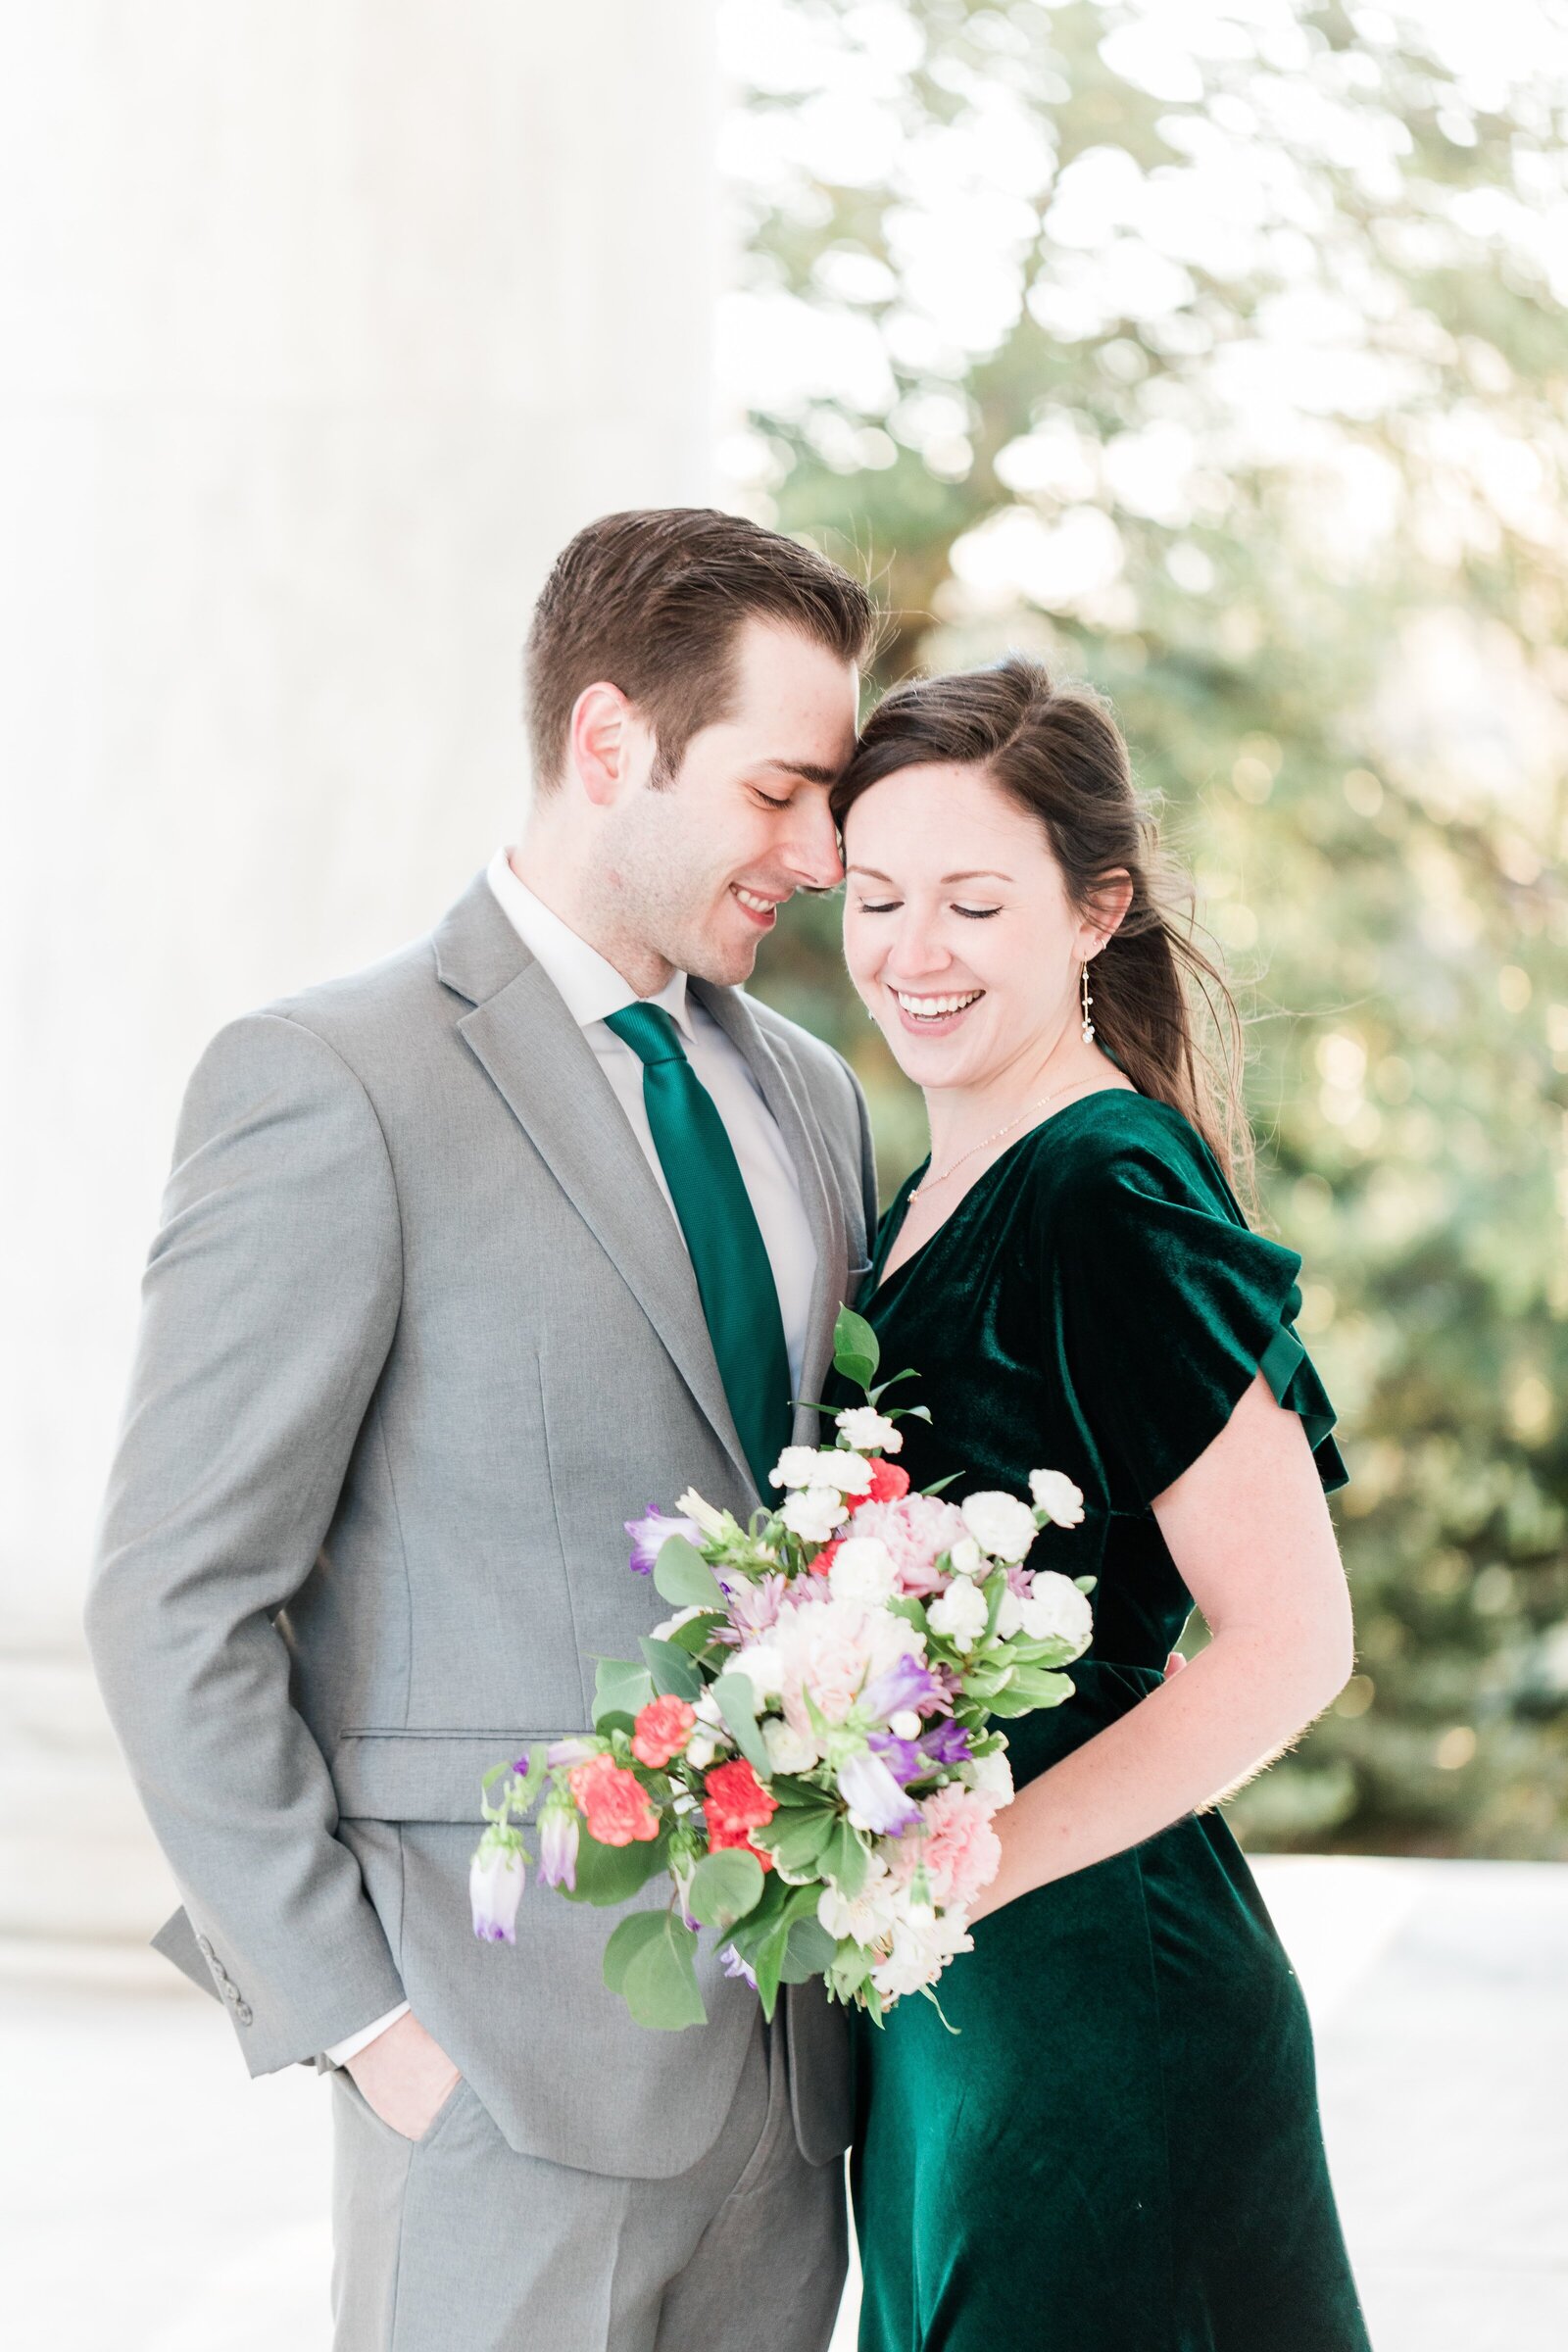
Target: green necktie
734	1278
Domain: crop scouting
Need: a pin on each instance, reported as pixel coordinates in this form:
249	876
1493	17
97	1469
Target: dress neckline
980	1186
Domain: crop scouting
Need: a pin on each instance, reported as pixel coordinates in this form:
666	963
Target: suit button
204	1947
244	2012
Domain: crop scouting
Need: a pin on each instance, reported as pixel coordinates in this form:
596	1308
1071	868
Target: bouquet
809	1744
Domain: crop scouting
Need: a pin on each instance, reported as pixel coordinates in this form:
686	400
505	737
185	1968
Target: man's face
696	870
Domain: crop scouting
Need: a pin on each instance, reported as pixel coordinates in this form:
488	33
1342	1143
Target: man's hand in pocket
405	2076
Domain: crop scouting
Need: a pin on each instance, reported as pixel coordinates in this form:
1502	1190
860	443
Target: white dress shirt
591	990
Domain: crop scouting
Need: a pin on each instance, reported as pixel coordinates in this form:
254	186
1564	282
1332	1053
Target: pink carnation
916	1531
960	1849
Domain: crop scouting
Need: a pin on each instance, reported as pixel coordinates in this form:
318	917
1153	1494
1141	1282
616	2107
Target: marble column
322	324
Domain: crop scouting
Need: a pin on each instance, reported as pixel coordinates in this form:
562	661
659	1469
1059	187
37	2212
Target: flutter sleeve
1170	1305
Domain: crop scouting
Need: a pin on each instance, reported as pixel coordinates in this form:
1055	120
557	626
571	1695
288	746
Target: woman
1118	2149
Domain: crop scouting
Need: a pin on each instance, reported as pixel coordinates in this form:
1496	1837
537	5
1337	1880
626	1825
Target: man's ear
602	742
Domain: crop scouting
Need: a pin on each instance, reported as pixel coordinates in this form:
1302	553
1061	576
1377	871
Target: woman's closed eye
971	914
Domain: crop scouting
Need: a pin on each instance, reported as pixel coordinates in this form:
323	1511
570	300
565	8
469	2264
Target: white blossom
815	1513
959	1613
867	1429
764	1668
1009	1615
788	1750
862	1570
795	1467
966	1557
999	1524
850	1473
692	1506
922	1946
701	1751
1055	1495
990	1775
904	1725
1056	1611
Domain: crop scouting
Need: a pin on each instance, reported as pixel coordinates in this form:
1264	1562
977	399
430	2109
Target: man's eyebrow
806	769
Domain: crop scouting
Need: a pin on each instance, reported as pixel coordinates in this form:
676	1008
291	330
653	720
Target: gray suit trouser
456	2243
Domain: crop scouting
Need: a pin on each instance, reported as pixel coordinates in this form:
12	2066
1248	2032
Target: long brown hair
1162	1006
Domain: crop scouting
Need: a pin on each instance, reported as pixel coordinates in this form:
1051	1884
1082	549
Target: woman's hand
1248	1529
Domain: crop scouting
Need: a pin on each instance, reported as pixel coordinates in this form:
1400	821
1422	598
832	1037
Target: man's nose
812	849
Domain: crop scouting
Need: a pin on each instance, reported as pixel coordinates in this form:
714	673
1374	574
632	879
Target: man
464	1260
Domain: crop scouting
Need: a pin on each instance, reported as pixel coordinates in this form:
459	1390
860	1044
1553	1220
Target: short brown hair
651	600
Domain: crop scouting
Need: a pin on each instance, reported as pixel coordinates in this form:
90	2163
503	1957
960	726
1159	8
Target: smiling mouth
761	911
933	1010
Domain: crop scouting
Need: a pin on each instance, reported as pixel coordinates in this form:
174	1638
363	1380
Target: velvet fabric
1118	2150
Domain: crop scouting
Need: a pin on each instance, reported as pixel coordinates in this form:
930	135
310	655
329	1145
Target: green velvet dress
1119	2150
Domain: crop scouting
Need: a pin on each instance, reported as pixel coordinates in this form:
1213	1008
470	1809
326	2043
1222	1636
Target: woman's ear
1108	901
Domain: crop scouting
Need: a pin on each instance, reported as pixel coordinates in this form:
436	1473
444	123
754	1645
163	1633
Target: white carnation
1009	1615
867	1429
959	1613
922	1946
850	1473
1056	1611
999	1524
815	1513
795	1467
1055	1495
862	1570
788	1750
966	1557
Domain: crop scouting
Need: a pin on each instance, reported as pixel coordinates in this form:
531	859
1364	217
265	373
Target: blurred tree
1212	352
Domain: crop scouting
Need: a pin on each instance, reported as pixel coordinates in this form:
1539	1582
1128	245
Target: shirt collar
589	986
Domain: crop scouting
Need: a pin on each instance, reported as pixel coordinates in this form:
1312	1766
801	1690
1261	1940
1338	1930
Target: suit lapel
546	1071
784	1092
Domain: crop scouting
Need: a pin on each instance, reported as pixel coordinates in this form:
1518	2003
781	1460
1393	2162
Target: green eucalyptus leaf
620	1688
675	1674
736	1701
723	1888
808	1950
614	1874
627	1940
659	1983
683	1576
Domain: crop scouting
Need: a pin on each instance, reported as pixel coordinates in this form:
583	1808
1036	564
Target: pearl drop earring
1088	1032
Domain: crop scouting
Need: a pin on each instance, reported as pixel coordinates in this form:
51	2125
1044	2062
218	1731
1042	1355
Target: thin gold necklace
931	1182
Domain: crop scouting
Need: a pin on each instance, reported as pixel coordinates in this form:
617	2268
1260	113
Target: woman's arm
1250	1532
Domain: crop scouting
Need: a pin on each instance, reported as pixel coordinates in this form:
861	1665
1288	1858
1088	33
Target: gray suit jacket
417	1336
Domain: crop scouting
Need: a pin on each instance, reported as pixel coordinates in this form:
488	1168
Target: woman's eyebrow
984	873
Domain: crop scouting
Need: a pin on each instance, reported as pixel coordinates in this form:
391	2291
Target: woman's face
958	928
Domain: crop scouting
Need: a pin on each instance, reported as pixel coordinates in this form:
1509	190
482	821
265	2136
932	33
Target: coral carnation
661	1731
613	1802
889	1484
734	1801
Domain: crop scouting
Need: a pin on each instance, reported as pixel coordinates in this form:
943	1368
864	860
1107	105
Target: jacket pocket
421	1776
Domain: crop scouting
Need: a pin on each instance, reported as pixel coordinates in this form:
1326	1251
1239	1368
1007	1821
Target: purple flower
902	1757
653	1530
558	1845
495	1889
575	1751
735	1966
753	1605
946	1742
905	1684
870	1790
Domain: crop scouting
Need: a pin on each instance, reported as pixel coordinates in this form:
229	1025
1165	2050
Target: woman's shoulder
1114	1147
